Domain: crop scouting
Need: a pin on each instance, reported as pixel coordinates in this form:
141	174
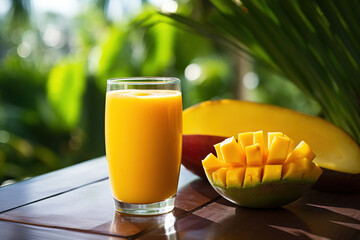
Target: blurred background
55	58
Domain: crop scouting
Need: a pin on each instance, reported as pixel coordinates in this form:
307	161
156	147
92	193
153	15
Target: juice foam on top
146	93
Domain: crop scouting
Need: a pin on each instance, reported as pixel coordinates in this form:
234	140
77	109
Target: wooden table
76	203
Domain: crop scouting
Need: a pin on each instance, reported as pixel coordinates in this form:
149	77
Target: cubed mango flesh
292	172
253	176
301	151
271	136
235	177
211	164
278	150
232	153
306	164
259	139
253	155
292	144
272	173
219	177
248	162
218	148
218	152
315	174
246	139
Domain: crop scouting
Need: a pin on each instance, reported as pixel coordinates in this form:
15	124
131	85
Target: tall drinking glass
143	135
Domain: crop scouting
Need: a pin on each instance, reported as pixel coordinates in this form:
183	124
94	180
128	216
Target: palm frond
315	44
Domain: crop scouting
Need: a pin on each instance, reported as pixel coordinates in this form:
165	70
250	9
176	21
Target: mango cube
301	151
231	152
235	177
253	155
251	174
259	139
211	164
315	173
278	150
292	144
271	136
219	177
218	152
293	172
306	164
272	173
246	139
252	177
249	162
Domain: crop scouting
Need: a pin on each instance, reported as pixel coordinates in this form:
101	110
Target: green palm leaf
313	43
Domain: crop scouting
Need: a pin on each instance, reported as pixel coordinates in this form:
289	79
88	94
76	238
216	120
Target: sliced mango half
252	174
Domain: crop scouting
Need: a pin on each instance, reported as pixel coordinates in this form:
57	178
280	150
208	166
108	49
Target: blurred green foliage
53	73
274	89
52	87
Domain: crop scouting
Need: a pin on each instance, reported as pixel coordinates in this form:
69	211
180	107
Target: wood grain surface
52	183
83	209
17	231
316	216
90	208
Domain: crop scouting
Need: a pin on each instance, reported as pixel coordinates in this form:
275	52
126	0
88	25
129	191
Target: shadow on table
204	188
342	200
317	215
248	223
295	221
330	215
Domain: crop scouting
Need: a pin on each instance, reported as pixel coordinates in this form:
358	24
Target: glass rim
144	80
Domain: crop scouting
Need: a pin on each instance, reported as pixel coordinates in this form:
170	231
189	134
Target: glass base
145	208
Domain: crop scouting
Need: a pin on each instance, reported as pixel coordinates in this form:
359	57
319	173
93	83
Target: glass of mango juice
143	138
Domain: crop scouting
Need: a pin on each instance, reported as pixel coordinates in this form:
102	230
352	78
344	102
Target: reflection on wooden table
76	203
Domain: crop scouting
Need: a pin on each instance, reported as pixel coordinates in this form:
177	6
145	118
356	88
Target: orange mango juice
143	134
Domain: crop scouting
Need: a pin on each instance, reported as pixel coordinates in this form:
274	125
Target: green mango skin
265	195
